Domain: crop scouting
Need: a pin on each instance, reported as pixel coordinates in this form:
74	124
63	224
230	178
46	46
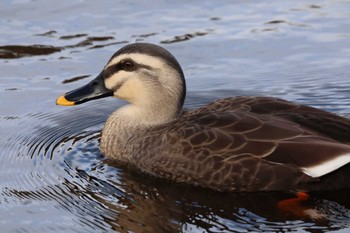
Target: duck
235	144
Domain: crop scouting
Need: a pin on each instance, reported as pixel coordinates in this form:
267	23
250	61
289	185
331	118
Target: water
52	175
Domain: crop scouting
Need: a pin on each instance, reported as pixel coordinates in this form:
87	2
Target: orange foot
296	206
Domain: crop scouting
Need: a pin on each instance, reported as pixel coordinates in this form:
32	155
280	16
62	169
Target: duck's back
322	122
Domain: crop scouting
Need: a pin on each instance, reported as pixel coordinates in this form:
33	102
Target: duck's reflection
139	203
131	202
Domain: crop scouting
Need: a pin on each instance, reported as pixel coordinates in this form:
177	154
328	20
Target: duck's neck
129	124
145	116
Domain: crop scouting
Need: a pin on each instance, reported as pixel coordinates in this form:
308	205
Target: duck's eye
128	65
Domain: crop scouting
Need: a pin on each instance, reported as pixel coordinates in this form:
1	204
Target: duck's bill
95	89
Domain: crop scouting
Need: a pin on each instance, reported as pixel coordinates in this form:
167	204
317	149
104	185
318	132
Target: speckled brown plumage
238	144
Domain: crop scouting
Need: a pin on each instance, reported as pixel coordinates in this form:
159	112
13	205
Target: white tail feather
327	166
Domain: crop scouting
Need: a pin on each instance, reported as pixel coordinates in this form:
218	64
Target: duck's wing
245	151
322	122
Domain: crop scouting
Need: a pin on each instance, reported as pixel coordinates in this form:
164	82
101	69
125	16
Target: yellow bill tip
63	101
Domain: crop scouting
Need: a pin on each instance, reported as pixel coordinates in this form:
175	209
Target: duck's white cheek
130	90
112	82
122	92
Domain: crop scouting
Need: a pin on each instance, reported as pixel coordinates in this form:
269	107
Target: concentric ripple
46	160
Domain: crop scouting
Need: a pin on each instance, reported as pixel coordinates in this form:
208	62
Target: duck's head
146	75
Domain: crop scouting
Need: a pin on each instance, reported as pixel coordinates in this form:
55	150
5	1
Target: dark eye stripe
109	71
113	69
